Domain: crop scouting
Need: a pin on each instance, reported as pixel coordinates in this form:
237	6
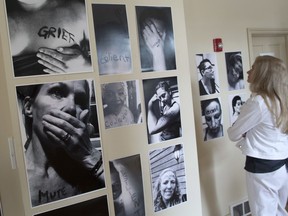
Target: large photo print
48	37
61	145
127	186
112	39
156	38
168	177
121	103
162	104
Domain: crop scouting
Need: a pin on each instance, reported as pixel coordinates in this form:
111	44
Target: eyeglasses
208	68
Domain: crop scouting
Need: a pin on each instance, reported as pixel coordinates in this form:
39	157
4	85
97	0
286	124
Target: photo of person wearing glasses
208	74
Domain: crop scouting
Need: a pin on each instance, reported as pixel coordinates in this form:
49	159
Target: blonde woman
166	191
261	130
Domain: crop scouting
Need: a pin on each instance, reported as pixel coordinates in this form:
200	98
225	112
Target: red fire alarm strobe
218	45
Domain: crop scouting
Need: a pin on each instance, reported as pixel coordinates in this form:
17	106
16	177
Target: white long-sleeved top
256	132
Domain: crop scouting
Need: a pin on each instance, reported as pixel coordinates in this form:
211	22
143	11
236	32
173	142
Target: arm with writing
157	125
155	44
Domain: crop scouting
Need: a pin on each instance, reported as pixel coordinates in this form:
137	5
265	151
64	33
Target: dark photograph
127	186
121	103
212	119
156	39
162	104
207	73
62	147
48	37
168	177
234	69
97	206
112	39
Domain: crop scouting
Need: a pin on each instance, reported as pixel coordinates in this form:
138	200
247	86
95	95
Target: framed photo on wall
212	119
48	37
208	76
234	67
156	38
168	177
112	39
127	186
62	160
235	103
162	104
121	103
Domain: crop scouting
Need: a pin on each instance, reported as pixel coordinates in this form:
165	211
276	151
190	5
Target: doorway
268	42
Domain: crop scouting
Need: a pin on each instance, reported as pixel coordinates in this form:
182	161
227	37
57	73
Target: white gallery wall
222	176
222	180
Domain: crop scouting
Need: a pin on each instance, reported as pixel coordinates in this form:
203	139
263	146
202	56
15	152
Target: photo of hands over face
156	38
61	160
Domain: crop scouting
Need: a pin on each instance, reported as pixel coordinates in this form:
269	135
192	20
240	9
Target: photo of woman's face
114	94
235	72
168	185
238	106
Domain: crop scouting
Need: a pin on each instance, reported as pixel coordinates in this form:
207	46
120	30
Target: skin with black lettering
54	32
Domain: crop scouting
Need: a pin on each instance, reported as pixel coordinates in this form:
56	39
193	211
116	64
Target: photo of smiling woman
121	103
61	160
168	177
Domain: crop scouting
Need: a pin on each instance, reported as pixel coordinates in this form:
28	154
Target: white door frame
265	32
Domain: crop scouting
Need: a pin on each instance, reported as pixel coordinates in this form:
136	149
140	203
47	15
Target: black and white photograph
168	177
62	147
235	103
1	213
234	69
121	103
127	186
208	77
212	119
112	39
162	105
97	206
156	38
48	37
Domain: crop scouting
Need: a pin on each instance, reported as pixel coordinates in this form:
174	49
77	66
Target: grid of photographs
60	115
60	123
210	88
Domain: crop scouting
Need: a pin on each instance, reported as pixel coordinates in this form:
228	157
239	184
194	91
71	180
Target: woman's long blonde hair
270	80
